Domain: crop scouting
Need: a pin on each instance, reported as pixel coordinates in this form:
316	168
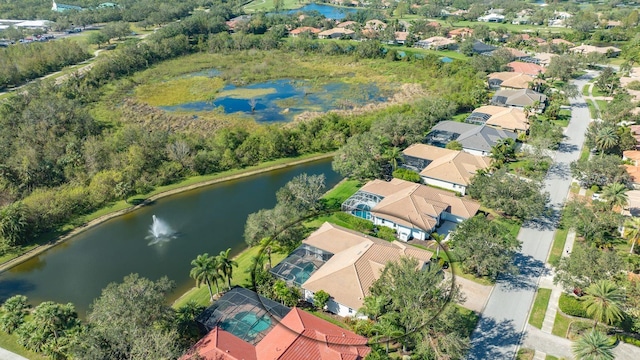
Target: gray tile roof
470	136
521	97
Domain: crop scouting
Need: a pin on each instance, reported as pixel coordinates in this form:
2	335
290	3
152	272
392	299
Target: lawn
602	104
461	117
559	239
561	325
241	276
267	5
592	109
341	192
539	308
550	357
585	90
10	342
584	154
525	354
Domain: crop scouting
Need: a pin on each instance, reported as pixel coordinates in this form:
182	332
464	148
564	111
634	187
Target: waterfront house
444	168
519	98
512	119
510	80
474	139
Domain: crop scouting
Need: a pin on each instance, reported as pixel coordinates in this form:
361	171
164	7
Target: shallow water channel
209	219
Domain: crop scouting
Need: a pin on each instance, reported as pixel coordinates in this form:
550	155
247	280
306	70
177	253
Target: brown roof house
304	29
444	168
526	68
504	118
609	51
336	33
412	210
510	80
357	261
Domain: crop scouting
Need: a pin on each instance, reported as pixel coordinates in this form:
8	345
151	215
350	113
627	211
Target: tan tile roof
561	41
349	274
505	118
516	53
300	30
631	155
416	205
544	58
330	32
457	167
526	68
586	49
345	24
514	80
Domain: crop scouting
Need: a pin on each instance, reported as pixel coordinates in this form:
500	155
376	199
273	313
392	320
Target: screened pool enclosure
298	267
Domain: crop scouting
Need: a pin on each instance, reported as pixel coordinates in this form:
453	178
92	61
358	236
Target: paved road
504	320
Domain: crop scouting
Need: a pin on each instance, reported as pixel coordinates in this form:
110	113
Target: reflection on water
283	99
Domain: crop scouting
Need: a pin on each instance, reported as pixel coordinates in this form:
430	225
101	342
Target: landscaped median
539	309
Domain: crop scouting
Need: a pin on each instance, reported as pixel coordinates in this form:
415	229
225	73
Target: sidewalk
8	355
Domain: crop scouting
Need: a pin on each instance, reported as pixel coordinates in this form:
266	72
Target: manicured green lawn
584	154
267	5
585	90
241	276
550	357
561	325
10	343
461	117
341	192
602	104
592	109
539	308
559	239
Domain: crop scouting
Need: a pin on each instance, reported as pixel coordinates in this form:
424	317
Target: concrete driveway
8	355
503	321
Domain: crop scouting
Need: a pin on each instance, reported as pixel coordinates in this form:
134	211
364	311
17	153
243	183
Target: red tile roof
299	336
526	68
221	345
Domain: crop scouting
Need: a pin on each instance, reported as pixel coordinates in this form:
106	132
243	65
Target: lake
328	11
209	219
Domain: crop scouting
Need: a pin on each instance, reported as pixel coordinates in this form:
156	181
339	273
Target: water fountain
160	231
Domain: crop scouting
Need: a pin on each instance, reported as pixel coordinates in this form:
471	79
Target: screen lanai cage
361	203
298	267
243	313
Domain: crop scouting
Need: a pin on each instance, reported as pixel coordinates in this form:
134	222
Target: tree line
26	62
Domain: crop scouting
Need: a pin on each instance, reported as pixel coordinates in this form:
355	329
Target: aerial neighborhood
319	180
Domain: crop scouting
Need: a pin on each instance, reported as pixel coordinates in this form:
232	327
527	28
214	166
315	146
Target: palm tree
205	271
438	238
225	265
385	330
393	155
593	345
602	302
615	194
503	151
606	138
632	231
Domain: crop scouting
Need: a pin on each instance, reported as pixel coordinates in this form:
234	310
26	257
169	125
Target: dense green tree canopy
585	266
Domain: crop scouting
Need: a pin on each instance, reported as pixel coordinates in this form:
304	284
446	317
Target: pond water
209	219
328	11
283	99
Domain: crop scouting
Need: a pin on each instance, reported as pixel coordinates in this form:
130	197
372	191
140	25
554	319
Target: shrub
595	188
406	174
628	339
572	306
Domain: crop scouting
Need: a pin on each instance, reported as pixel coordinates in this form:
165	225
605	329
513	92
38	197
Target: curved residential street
504	320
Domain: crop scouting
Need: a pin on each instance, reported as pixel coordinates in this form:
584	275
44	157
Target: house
295	335
520	99
521	20
336	33
543	59
475	139
304	29
357	261
610	51
412	210
517	54
612	23
483	49
495	18
633	169
435	43
460	33
63	7
444	168
107	5
348	24
233	23
375	25
510	80
512	119
561	42
400	37
526	68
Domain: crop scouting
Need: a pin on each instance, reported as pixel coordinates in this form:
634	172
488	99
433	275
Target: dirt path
42	248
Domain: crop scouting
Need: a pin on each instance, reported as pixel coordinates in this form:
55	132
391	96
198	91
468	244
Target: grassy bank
82	223
539	308
10	342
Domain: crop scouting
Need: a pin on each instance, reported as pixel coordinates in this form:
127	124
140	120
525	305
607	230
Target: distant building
495	18
63	7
